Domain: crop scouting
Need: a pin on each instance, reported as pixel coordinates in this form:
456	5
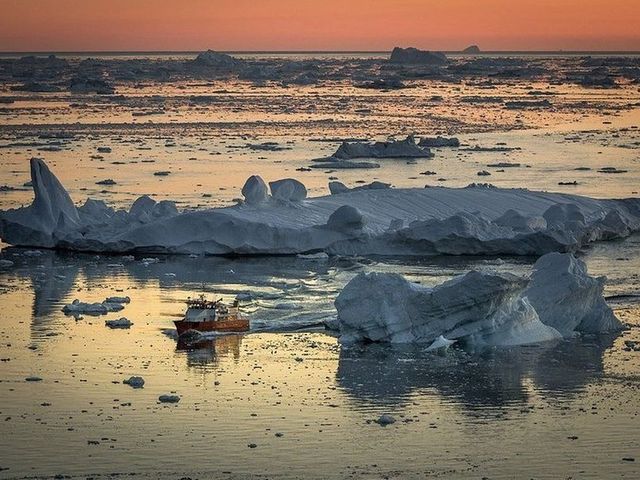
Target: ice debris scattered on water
477	309
111	304
372	219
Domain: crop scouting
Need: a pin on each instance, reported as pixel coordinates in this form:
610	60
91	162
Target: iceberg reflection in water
383	375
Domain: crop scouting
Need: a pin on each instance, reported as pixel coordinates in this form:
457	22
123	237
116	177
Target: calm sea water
566	409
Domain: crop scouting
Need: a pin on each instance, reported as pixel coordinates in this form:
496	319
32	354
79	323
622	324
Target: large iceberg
414	56
425	221
479	308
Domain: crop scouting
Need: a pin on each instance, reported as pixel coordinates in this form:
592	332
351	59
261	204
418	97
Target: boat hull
239	325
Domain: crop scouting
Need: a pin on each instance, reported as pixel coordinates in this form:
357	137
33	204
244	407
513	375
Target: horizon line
139	52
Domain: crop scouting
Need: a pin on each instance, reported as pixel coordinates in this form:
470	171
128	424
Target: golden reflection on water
470	415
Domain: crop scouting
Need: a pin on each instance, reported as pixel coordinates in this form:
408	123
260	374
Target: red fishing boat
212	316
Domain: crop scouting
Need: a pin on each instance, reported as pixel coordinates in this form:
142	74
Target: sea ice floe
426	221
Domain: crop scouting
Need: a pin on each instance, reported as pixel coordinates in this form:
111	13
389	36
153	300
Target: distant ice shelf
476	220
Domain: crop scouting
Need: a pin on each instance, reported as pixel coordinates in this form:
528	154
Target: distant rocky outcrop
413	56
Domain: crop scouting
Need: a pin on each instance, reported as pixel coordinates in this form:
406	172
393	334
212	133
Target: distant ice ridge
280	219
477	309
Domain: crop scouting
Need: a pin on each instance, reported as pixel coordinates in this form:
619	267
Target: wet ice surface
80	419
309	406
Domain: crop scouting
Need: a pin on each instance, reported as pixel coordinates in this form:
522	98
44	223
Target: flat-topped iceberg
414	56
386	221
479	308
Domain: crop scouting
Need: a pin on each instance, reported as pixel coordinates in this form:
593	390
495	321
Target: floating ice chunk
406	148
288	189
339	164
567	298
255	190
106	181
385	419
167	398
117	300
440	343
111	304
6	263
122	322
77	307
134	382
439	142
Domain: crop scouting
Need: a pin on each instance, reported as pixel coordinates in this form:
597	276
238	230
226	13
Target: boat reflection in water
210	351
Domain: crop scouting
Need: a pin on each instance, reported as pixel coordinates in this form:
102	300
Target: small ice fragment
440	343
117	300
134	382
385	419
167	398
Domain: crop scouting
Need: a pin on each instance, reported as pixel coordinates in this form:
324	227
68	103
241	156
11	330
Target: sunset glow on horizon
271	25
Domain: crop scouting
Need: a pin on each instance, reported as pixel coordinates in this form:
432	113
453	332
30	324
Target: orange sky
93	25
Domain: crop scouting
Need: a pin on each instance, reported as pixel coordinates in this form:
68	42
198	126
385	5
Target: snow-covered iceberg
424	221
479	308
